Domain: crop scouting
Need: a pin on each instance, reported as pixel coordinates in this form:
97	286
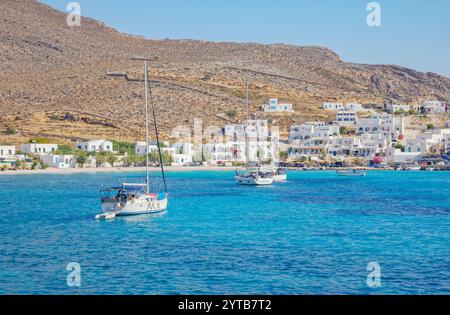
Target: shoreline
70	171
168	169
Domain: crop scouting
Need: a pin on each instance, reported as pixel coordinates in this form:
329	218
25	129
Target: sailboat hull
245	180
136	207
280	178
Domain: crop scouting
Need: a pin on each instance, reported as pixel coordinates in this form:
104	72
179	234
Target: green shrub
10	130
124	147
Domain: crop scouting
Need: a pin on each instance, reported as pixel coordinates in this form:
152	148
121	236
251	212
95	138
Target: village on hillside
360	136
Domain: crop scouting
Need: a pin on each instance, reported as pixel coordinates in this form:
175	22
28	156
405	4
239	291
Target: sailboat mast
147	181
148	92
158	142
247	151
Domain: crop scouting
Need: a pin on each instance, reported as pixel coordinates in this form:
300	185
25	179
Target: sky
413	33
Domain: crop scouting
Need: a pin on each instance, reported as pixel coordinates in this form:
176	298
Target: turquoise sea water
315	234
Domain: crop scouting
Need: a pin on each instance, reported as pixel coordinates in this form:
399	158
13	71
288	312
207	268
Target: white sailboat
254	176
136	199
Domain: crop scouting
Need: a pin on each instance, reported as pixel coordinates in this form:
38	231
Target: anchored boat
254	176
136	199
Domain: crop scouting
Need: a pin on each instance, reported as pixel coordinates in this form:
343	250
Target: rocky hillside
56	82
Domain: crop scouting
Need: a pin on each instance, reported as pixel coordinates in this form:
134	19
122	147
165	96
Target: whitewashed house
430	141
447	143
332	106
140	148
234	130
394	155
314	148
38	148
312	130
357	107
59	161
183	153
393	108
342	147
7	151
433	107
95	146
301	132
385	124
354	107
233	151
275	107
346	118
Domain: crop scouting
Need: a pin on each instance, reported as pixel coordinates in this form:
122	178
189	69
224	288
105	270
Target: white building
234	130
312	130
183	153
433	107
332	106
7	151
385	124
428	142
354	107
397	156
346	118
275	107
232	151
313	148
95	146
38	148
342	147
393	108
141	150
447	142
339	106
59	161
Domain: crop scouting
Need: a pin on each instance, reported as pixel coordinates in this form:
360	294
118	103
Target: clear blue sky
414	33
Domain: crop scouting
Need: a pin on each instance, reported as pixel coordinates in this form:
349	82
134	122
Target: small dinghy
351	173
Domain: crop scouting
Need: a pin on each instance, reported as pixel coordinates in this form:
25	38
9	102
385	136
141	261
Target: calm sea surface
315	234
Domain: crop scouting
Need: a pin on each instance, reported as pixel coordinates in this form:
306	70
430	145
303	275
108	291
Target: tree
400	147
231	113
81	158
124	147
18	164
111	158
283	156
64	149
430	126
38	162
100	159
343	130
10	130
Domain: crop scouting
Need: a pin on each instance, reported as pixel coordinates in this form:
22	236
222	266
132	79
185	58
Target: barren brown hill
55	82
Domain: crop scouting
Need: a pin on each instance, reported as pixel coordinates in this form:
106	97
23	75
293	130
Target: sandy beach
69	171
